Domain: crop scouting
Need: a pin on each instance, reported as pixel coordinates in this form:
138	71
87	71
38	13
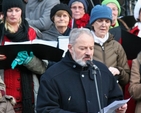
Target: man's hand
121	109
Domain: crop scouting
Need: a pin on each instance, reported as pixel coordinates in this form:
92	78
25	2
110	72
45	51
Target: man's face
83	49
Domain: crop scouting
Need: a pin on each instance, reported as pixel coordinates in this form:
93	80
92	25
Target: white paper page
114	105
15	43
63	43
36	41
49	43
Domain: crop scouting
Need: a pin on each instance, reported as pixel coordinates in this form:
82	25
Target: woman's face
14	15
114	12
61	19
78	10
101	27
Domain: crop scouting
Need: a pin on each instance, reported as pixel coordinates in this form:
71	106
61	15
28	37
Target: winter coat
52	34
135	82
112	54
6	106
67	87
38	13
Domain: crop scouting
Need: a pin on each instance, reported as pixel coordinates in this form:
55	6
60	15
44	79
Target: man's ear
70	48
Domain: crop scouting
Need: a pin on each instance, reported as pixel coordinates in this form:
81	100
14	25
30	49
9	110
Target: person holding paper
108	50
69	87
60	16
135	82
20	81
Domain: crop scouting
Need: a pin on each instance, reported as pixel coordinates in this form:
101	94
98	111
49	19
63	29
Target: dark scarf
26	76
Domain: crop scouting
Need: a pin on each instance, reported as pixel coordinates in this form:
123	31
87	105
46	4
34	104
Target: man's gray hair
76	32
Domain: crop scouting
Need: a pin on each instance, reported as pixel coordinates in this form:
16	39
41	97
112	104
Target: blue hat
99	12
84	2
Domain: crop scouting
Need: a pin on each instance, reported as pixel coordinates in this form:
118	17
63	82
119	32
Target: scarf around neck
19	36
116	25
78	23
99	40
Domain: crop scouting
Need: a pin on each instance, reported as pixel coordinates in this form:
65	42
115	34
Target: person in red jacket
20	80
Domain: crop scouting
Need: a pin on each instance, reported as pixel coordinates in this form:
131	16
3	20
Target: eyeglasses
79	8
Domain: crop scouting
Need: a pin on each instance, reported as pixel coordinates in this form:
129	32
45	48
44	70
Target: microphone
99	96
90	63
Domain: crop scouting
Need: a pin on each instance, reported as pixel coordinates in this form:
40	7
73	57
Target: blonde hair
10	27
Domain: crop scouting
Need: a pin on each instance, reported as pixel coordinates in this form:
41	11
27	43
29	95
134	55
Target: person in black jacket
69	87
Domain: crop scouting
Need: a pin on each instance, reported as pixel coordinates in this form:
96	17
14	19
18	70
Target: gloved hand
22	58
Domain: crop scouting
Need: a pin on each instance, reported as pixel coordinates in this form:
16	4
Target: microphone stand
97	91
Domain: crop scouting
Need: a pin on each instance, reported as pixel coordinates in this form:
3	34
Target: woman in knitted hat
60	16
18	80
117	23
80	17
106	49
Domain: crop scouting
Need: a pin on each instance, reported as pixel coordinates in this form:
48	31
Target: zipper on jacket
103	49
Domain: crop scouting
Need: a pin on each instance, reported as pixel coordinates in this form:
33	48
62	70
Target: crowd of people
94	71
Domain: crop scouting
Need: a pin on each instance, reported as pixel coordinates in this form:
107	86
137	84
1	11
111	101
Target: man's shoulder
55	70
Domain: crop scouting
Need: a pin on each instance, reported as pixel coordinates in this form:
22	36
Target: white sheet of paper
63	43
35	41
114	105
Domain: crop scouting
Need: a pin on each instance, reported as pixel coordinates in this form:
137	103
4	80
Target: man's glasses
79	8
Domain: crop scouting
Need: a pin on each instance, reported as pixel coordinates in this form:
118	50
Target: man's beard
80	60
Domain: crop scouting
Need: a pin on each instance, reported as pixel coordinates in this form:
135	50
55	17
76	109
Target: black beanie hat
7	4
58	7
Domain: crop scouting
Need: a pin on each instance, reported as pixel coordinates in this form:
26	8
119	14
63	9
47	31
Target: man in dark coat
69	85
